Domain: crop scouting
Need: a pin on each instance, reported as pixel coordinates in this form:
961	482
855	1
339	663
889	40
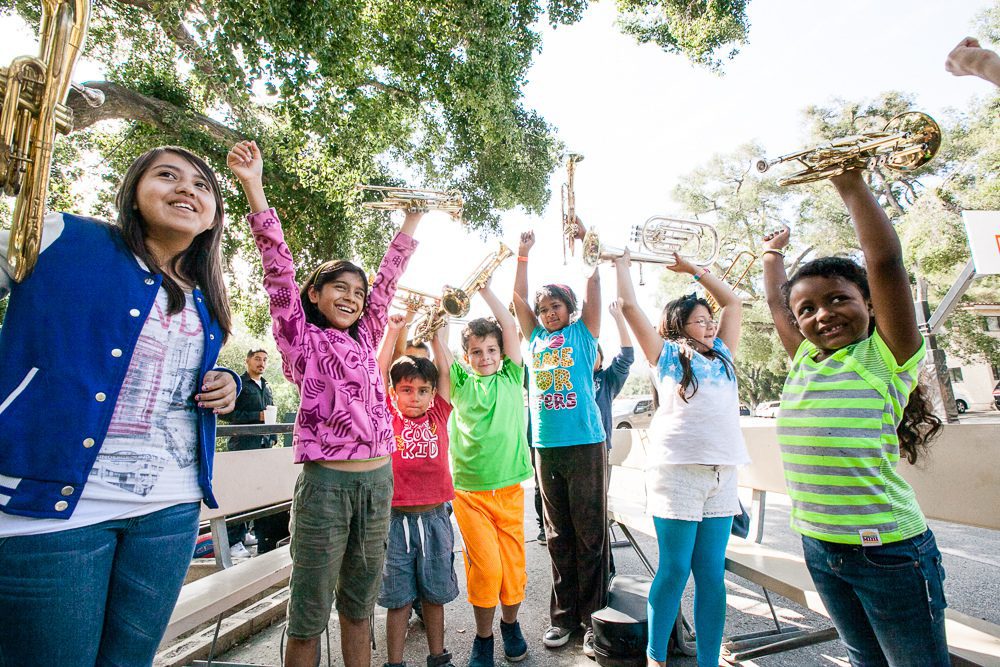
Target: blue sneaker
482	652
514	647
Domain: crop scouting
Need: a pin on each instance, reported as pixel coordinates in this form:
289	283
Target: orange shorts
492	526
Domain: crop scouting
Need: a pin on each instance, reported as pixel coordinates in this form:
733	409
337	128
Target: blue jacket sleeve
619	368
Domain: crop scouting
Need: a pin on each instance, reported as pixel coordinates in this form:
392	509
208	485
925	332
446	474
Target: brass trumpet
713	303
33	109
407	199
908	142
414	301
569	227
456	301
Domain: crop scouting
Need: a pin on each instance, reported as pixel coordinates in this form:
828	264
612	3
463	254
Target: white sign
983	230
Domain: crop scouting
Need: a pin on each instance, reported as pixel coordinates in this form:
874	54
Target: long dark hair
919	424
200	262
325	273
675	314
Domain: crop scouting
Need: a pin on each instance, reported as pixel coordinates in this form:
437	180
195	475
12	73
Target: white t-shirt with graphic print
149	458
706	428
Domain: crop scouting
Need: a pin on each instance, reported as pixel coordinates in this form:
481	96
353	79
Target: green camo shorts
340	522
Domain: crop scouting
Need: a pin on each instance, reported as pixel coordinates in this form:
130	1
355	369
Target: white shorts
692	492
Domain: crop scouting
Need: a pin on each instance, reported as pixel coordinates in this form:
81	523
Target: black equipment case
620	632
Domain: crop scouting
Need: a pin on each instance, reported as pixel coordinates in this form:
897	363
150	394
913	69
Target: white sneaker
239	551
249	540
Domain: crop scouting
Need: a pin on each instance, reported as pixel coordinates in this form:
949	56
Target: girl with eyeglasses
695	447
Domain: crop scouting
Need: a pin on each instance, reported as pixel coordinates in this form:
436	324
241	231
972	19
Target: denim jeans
97	595
887	602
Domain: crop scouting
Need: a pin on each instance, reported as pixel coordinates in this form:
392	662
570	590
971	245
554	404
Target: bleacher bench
958	486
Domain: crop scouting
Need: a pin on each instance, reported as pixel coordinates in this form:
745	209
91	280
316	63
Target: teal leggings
687	547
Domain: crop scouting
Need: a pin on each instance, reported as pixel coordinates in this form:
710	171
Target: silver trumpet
660	237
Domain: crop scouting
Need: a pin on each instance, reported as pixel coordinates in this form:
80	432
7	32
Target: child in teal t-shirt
568	437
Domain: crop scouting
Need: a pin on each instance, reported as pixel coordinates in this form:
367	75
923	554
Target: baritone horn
456	301
569	226
713	303
33	109
414	301
908	142
661	237
408	199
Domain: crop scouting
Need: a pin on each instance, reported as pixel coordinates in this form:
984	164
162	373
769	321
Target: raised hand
245	161
682	265
969	58
625	259
615	309
527	242
396	322
777	240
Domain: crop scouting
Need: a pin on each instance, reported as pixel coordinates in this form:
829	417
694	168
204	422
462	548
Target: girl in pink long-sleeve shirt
328	332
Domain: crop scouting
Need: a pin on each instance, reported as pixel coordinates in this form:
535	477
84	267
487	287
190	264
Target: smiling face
413	396
341	300
553	313
701	328
484	354
176	202
830	311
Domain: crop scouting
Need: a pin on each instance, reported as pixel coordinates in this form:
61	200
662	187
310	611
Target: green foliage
698	28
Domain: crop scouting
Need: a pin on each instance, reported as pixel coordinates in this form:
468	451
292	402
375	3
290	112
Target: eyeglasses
702	322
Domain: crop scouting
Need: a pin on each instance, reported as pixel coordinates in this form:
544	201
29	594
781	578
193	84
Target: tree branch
122	102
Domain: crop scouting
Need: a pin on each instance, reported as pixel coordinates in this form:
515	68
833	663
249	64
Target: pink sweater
343	412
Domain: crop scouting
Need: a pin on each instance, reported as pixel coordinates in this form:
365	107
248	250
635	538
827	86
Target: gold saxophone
456	301
33	109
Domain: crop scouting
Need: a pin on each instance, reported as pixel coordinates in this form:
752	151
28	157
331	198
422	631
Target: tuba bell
661	237
33	109
410	199
908	142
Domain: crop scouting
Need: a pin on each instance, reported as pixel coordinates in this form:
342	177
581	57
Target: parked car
632	412
996	395
744	410
962	401
767	409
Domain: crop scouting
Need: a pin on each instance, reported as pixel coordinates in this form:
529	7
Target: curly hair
675	314
481	328
919	425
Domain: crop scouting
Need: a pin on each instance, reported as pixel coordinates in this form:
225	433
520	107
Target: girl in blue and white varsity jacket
108	400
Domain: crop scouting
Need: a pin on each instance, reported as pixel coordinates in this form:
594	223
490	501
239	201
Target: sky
643	118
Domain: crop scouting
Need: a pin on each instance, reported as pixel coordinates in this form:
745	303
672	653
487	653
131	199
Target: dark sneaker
482	652
588	643
514	647
394	664
555	637
541	536
443	660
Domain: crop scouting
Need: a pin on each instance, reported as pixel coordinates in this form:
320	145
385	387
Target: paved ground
972	560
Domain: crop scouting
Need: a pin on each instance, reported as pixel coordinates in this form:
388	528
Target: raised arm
892	299
774	279
645	335
287	315
511	343
443	360
525	314
386	349
624	339
401	340
969	58
730	305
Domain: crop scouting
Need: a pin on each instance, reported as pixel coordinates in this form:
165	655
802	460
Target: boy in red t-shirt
419	559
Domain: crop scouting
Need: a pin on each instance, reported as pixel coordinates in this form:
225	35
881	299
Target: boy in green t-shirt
489	460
